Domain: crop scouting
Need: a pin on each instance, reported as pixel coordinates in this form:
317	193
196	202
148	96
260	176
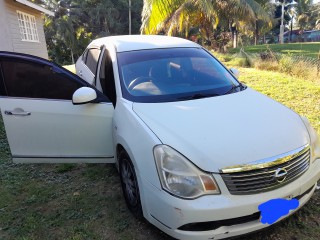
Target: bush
222	56
227	58
246	62
303	69
299	66
269	65
286	64
238	61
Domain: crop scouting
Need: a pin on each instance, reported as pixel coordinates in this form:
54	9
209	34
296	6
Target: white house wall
10	40
5	39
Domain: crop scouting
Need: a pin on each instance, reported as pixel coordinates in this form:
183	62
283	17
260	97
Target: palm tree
61	27
246	14
303	12
176	16
314	16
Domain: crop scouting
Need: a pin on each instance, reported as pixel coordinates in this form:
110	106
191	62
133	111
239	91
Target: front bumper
170	213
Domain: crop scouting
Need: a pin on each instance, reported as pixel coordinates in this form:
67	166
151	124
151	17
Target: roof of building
35	6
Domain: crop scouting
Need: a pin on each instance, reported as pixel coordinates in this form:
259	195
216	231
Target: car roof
138	42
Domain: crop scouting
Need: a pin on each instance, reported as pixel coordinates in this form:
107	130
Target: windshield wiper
198	96
234	87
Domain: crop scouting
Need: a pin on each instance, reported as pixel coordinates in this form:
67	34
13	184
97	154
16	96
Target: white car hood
227	130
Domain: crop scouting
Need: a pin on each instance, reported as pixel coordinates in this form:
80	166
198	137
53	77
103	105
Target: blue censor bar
274	209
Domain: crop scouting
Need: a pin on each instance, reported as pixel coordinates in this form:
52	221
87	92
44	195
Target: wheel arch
123	147
119	148
130	183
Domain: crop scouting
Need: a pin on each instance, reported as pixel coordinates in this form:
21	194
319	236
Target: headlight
180	177
314	139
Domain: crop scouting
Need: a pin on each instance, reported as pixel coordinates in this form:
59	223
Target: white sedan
200	155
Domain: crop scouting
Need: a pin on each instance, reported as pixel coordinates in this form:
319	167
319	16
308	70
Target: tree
77	22
308	15
315	13
60	30
250	21
261	26
175	17
303	13
277	12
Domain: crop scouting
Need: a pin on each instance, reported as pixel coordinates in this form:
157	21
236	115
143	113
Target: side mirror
235	72
84	95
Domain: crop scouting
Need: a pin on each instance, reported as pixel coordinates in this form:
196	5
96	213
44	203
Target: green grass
296	93
71	68
84	201
305	49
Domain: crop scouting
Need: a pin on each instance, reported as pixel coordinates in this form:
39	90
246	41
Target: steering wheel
139	80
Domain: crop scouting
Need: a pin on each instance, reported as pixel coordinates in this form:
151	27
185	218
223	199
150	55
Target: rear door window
92	59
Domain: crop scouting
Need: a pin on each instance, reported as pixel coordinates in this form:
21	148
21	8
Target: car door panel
84	72
55	130
86	66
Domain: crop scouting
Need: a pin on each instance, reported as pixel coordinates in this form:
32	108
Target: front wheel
129	184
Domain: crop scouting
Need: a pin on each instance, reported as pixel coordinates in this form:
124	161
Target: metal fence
297	65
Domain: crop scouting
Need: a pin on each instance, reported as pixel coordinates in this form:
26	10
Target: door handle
17	113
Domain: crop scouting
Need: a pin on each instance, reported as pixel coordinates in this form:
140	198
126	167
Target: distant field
305	49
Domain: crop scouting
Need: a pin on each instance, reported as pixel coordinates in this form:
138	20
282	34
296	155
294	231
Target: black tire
129	184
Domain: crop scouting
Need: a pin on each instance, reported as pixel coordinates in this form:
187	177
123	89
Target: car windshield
173	74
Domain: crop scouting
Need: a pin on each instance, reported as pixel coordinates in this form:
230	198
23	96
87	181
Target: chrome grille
241	180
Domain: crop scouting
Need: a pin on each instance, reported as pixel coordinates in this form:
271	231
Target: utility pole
283	4
129	17
282	26
291	29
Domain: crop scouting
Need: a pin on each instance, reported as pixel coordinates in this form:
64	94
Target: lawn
305	49
84	201
71	68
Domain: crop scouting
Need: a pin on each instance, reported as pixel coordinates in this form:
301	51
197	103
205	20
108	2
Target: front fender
138	140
